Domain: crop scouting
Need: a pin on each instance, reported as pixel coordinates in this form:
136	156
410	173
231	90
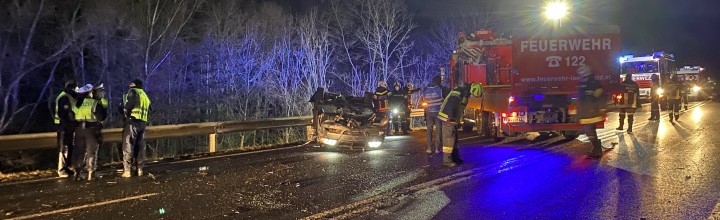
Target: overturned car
347	121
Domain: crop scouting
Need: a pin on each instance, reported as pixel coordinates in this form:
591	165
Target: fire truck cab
643	67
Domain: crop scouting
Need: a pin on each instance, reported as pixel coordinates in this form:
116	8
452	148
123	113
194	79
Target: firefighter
591	109
91	112
655	96
380	102
687	89
451	112
398	105
65	122
136	108
628	102
409	91
674	94
433	98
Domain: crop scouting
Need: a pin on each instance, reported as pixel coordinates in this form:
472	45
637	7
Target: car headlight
660	91
394	111
374	144
329	141
696	89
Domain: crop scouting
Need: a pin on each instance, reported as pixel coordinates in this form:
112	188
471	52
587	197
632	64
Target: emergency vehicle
530	82
692	78
643	67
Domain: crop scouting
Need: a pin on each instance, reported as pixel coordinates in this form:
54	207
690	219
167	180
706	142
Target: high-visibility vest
140	111
72	104
674	90
433	97
86	112
444	107
381	100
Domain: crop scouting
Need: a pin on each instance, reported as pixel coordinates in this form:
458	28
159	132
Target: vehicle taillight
618	97
511	99
504	115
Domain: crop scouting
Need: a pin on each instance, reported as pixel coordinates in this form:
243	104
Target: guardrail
48	140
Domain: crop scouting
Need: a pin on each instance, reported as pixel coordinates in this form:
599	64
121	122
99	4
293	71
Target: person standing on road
628	102
65	122
136	108
592	109
451	112
655	95
432	99
398	105
674	94
91	112
380	102
409	91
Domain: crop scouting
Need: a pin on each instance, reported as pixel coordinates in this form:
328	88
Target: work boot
126	174
139	171
63	174
619	128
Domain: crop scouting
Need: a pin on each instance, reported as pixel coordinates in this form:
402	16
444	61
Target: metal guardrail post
212	141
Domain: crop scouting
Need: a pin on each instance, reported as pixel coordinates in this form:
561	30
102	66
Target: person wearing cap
452	111
433	96
136	106
628	102
65	122
90	114
592	110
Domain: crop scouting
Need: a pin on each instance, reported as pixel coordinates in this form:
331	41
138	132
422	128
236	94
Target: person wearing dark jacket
655	95
136	106
398	106
65	122
628	102
409	91
90	114
592	108
452	111
674	95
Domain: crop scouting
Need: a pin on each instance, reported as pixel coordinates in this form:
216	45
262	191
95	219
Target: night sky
688	28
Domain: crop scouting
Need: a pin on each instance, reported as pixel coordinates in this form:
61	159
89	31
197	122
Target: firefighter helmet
476	89
584	71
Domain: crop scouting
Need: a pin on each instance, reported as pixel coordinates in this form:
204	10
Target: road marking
352	209
715	214
83	207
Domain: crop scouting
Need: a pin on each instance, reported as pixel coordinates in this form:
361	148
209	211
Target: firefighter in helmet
592	110
451	113
628	102
674	94
398	106
380	101
655	95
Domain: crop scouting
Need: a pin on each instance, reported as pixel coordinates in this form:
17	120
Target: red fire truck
643	67
530	82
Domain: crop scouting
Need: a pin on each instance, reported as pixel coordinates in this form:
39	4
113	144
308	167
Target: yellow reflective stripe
591	120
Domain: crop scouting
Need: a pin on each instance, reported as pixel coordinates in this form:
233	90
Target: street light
556	10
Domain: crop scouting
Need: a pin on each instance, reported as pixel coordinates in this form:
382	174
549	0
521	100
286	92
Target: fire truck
530	81
692	76
643	67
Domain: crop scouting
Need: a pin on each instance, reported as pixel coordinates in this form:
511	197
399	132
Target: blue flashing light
539	97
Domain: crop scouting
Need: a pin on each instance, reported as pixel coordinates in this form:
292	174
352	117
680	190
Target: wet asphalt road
662	171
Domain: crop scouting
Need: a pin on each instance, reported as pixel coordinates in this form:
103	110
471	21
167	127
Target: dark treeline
208	60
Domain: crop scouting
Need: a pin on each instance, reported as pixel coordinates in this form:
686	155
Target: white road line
83	207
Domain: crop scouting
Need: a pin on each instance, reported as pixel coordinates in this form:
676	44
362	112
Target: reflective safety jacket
91	110
433	97
380	99
137	104
630	96
398	100
64	106
592	104
453	106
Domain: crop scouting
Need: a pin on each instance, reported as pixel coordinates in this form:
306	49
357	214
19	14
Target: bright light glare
697	115
329	141
696	88
660	91
556	10
374	144
394	111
